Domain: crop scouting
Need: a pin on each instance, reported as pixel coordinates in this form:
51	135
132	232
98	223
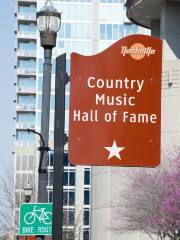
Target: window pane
67	30
24	136
87	176
86	235
50	196
71	198
72	178
102	31
26	117
86	217
86	197
109	31
27	99
52	102
65	160
65	198
65	179
71	218
115	31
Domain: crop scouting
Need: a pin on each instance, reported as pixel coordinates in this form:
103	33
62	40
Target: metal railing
25	125
26	53
26	16
26	90
27	35
26	71
25	107
24	143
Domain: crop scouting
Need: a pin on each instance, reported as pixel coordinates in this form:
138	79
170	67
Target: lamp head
48	22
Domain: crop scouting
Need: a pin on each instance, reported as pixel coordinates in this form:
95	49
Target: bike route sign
115	105
35	219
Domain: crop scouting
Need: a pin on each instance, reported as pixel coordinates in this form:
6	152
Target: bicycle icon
38	214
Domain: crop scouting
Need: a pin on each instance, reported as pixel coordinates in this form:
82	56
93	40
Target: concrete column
107	183
170	30
155	28
79	202
100	203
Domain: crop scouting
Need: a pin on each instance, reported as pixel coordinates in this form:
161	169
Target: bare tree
6	203
151	203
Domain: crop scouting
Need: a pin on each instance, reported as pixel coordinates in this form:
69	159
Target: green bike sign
35	219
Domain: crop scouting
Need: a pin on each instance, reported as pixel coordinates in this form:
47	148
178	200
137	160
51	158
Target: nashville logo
137	51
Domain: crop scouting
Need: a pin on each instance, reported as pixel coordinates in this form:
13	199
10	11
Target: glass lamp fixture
48	23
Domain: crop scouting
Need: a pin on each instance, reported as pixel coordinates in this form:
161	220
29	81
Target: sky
7	78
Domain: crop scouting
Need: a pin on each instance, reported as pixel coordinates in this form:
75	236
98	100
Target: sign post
35	219
115	104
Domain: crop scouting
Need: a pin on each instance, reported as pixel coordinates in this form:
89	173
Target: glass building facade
88	27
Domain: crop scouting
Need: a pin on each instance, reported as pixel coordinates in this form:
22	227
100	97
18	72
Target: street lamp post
48	22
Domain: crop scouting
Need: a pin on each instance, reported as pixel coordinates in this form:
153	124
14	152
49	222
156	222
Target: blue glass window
65	181
71	198
121	31
27	28
102	31
86	196
50	159
115	31
27	45
68	197
109	31
68	66
61	44
86	235
27	64
26	117
68	87
50	196
67	30
52	102
130	29
65	160
87	176
61	31
29	8
53	66
72	179
86	217
67	102
27	99
71	218
26	82
65	198
24	136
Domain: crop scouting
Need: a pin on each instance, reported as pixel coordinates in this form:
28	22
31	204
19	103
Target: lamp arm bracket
44	149
66	78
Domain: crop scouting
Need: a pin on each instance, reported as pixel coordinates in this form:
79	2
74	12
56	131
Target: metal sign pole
57	222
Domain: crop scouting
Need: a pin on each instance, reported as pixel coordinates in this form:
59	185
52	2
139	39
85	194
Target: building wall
107	183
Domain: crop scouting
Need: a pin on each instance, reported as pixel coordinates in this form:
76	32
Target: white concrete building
163	18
